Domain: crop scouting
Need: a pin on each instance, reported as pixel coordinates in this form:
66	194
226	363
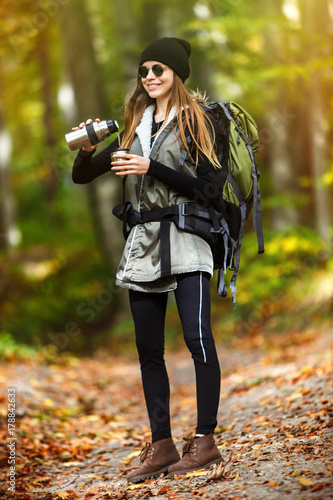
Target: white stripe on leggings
200	324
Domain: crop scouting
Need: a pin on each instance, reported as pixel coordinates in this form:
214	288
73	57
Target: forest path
80	425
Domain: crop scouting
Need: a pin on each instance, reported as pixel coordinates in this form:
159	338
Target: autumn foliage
80	423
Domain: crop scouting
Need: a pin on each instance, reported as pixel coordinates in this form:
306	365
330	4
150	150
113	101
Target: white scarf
144	128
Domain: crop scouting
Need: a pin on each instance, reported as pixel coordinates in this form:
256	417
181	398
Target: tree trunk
318	156
9	234
83	73
316	21
279	118
43	57
283	169
138	27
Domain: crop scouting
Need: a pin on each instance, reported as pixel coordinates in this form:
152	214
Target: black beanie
174	52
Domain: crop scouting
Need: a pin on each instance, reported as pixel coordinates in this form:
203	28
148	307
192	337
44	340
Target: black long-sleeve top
203	188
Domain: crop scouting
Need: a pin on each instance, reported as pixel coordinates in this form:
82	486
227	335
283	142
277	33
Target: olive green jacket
140	265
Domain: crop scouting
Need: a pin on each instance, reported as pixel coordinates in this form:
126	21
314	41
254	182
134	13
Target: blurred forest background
64	61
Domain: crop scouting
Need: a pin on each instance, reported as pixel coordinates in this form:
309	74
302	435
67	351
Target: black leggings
148	310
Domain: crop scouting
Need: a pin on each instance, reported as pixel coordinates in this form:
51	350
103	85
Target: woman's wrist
84	152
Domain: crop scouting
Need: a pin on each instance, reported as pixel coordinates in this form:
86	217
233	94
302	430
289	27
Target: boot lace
189	446
146	452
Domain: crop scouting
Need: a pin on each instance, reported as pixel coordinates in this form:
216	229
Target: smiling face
158	87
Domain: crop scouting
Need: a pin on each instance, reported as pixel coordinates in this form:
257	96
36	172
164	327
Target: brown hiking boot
198	453
155	458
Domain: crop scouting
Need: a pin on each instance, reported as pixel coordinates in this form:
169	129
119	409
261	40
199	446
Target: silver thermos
91	134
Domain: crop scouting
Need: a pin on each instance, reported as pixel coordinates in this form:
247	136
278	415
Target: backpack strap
257	218
243	210
184	153
221	288
165	247
239	246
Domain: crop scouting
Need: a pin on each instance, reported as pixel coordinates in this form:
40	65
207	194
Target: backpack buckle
183	207
182	213
134	218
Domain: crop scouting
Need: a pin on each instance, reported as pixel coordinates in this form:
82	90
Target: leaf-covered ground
80	424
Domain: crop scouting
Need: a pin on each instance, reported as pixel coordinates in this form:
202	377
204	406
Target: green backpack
237	142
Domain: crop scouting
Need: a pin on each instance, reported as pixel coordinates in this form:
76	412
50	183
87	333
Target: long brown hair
189	114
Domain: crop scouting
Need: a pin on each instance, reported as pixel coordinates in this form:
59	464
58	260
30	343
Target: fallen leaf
178	476
134	454
318	486
175	495
200	492
42	479
136	486
61	494
228	428
293	396
307	390
48	402
272	484
164	489
201	472
92	491
305	481
219	472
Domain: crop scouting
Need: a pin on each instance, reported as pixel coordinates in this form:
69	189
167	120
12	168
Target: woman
165	169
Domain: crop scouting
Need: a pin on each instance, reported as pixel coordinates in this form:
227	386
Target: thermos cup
91	134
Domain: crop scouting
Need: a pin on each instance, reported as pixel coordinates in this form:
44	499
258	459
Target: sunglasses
157	69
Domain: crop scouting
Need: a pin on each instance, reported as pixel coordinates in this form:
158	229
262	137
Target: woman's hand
87	148
131	165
